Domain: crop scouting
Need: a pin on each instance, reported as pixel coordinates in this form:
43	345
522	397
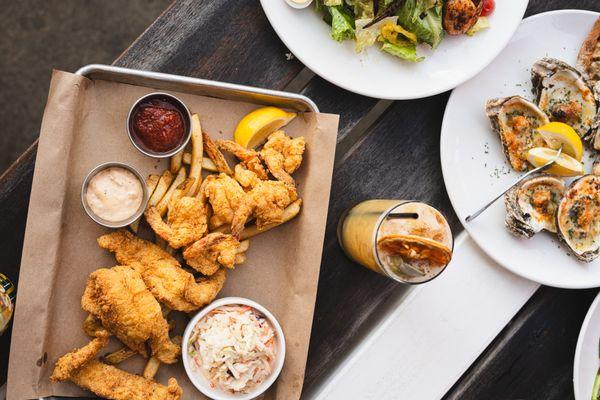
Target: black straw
403	215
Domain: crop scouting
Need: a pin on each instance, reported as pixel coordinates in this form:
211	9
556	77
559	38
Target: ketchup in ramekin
159	124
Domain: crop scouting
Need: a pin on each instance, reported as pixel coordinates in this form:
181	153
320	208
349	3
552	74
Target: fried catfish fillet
211	252
112	383
135	252
80	367
283	155
224	195
72	361
249	158
186	221
266	202
118	297
93	327
162	274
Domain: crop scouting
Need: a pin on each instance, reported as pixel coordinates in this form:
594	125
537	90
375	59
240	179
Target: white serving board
433	334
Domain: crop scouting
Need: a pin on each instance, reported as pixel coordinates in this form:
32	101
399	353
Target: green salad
396	26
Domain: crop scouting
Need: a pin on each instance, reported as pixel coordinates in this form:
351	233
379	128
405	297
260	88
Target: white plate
378	74
587	360
473	163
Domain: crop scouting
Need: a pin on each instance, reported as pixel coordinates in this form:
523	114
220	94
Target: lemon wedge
254	128
564	166
557	135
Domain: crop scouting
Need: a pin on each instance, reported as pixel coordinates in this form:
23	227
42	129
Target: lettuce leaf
406	51
342	24
362	8
424	19
366	37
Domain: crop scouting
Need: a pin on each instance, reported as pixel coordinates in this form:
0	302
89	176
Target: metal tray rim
161	76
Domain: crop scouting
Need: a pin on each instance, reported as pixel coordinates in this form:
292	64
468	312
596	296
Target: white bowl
197	377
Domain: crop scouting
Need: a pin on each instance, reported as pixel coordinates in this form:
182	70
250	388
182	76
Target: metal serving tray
202	87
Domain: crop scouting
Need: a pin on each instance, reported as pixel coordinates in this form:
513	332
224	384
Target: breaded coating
248	157
204	290
211	252
283	155
110	382
169	284
162	274
186	222
93	327
133	251
215	155
266	202
246	178
118	297
72	361
224	195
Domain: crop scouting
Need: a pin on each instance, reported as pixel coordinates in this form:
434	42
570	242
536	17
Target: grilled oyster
578	218
596	166
565	95
515	120
531	206
588	59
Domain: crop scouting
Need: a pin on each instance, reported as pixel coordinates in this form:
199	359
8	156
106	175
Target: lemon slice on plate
564	166
557	135
254	128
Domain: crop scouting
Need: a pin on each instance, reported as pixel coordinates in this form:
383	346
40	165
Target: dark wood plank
398	158
15	187
331	99
533	357
227	40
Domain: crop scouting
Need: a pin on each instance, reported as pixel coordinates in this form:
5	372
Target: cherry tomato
488	7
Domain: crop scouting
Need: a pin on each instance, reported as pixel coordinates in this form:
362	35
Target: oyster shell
515	119
578	218
588	59
565	95
531	205
596	166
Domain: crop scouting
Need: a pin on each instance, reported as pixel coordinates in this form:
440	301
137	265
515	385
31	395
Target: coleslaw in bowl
233	349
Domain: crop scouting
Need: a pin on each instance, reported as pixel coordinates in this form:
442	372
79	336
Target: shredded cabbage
234	347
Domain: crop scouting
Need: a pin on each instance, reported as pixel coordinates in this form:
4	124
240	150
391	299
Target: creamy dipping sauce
114	194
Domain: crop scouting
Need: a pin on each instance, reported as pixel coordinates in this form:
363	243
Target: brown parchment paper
83	126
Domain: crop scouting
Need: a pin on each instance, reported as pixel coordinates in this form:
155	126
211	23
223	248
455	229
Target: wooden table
385	149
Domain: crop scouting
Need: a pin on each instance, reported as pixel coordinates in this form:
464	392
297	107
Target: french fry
215	155
182	190
151	183
176	161
118	356
151	368
163	204
161	188
207	163
244	245
289	213
197	151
